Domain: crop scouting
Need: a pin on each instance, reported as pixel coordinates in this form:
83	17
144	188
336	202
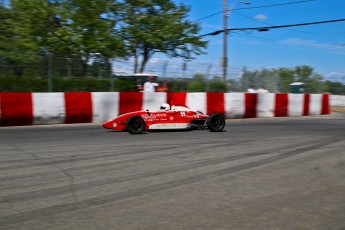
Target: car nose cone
108	125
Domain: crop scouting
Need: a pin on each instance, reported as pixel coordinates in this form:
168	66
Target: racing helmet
165	107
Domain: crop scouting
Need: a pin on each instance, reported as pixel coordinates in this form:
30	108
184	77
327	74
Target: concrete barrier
86	107
337	101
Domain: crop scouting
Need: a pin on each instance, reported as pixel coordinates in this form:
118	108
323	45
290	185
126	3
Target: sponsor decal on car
171	126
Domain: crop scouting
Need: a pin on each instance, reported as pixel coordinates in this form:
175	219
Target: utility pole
226	12
225	40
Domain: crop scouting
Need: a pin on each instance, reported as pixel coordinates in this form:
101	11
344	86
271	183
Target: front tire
135	125
216	122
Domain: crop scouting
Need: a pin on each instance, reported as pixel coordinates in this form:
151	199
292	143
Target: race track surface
259	174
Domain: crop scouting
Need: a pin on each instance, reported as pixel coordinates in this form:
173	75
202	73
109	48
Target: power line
252	36
254	7
279	4
266	28
300	31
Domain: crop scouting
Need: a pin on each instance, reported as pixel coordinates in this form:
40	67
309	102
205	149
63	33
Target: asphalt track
259	174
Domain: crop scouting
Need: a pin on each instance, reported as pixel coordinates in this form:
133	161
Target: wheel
135	124
216	122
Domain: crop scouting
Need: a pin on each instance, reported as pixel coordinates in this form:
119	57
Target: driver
165	107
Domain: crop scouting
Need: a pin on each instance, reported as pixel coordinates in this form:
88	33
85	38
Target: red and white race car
167	118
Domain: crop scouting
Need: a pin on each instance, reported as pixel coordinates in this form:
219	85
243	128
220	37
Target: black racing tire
135	125
216	122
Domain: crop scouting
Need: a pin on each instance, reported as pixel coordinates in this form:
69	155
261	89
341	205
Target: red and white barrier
86	107
105	106
337	100
48	108
234	105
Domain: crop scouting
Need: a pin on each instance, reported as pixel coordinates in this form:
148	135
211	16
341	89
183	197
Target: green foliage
152	26
11	84
217	86
34	84
286	78
199	77
279	80
336	88
78	31
305	74
22	85
125	86
76	39
17	44
198	83
234	86
178	85
196	86
36	31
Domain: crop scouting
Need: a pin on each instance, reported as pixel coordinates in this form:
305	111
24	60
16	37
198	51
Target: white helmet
165	107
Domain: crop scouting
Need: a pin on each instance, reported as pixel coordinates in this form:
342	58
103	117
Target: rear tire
216	122
135	125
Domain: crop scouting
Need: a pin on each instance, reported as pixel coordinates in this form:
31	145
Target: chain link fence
68	74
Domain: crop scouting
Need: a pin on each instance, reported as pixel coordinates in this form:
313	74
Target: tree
198	83
152	26
17	45
90	29
279	80
67	30
336	88
313	82
99	68
217	85
85	30
286	77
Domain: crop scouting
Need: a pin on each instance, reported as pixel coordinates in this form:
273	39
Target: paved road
259	174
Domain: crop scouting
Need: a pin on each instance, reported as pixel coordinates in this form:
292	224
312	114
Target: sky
321	46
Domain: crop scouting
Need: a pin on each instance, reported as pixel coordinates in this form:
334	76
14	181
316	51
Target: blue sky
319	46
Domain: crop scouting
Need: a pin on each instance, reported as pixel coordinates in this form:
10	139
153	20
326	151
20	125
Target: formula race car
167	118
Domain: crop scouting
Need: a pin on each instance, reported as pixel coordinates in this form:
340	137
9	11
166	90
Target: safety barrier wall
337	101
86	107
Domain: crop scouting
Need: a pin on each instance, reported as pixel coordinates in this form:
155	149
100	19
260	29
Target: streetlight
226	13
